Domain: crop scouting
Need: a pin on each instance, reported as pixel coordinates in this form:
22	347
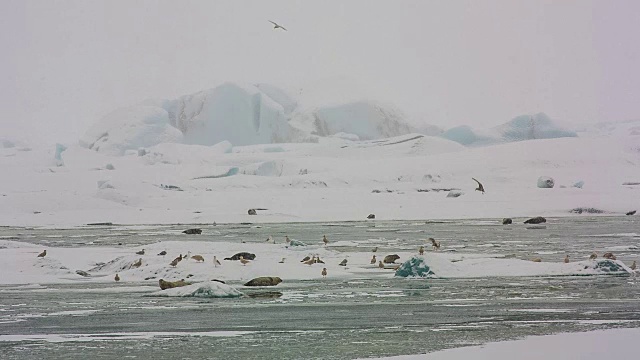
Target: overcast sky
65	64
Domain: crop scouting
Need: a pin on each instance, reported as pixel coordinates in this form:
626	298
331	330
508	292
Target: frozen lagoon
365	314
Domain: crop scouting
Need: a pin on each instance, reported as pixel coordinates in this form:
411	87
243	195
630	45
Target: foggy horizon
70	63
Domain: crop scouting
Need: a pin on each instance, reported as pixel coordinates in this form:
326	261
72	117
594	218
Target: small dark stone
252	212
193	231
507	221
536	220
371	216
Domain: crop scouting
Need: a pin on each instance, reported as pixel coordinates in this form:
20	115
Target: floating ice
414	267
211	289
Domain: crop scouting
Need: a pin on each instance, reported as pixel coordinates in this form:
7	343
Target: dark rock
390	259
252	212
264	281
193	231
83	273
631	212
172	284
371	216
507	221
536	220
245	255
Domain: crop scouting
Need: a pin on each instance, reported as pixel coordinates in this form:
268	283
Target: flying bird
480	187
277	26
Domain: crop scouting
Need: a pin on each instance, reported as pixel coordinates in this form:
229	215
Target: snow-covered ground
405	177
593	345
20	264
213	155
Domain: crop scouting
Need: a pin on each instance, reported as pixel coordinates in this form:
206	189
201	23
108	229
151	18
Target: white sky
65	64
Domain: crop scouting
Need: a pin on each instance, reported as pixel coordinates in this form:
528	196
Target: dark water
335	319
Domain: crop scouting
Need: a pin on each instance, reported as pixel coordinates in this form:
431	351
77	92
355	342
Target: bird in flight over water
480	187
276	26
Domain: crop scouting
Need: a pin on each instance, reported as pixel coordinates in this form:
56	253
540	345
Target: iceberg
365	120
529	127
131	128
240	114
414	267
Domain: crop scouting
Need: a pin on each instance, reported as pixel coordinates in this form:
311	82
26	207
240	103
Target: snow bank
474	265
211	289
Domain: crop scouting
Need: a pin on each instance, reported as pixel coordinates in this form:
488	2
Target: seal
536	220
172	284
244	255
193	231
264	281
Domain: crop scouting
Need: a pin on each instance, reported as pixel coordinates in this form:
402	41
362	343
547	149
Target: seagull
566	259
162	253
243	261
117	278
343	262
141	252
633	266
216	262
480	187
324	272
421	250
593	256
281	261
325	240
373	259
375	249
43	254
277	26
